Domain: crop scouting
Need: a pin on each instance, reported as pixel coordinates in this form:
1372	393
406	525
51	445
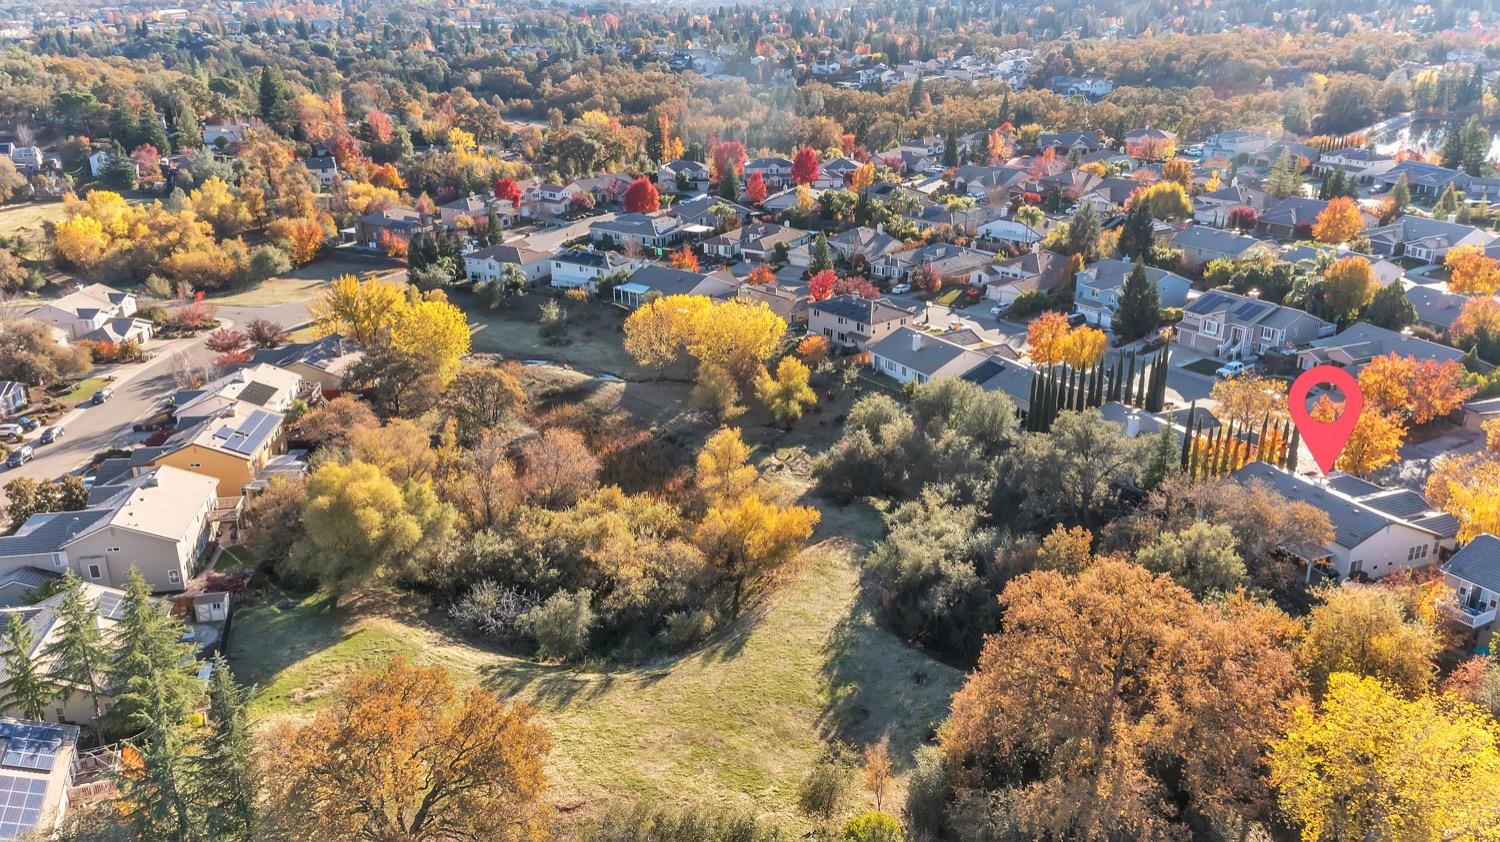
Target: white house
12	396
94	312
908	355
584	267
488	264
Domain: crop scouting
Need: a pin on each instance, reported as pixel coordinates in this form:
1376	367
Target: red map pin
1326	440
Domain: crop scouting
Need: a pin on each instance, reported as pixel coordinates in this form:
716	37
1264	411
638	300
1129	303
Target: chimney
917	340
1132	424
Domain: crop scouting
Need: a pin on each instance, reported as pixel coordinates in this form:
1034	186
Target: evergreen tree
1083	233
1138	233
224	779
151	661
729	186
1140	304
821	258
950	150
494	230
271	94
79	654
1390	309
1401	195
26	689
1163	459
155	785
1447	204
1285	177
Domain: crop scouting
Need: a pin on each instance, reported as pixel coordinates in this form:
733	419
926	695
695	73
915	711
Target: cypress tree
1187	434
1128	388
1140	304
1292	454
1031	400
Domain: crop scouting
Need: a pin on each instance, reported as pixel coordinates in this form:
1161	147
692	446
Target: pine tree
154	782
821	258
729	186
1138	232
224	778
1447	204
26	689
1401	194
1083	233
79	654
950	150
1285	177
1140	304
1163	459
150	661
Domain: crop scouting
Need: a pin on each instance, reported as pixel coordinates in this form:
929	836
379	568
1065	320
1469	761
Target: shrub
657	825
685	628
823	792
491	611
873	827
561	625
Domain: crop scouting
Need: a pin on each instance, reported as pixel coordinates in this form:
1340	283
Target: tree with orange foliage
805	166
813	349
1472	272
1047	337
1339	222
930	278
862	177
301	239
1373	442
386	176
761	274
998	146
1179	170
683	259
820	285
642	196
427	761
1478	313
755	187
727	156
1419	390
392	245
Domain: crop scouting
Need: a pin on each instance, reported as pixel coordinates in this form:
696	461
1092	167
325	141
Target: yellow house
231	448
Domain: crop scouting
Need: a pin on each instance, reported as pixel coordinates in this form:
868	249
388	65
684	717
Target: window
194	465
95	572
58	560
1266	333
111	549
173	576
1210	328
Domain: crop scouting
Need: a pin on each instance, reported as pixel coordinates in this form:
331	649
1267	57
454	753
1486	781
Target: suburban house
91	312
662	280
1376	532
584	267
1065	143
683	176
790	303
476	209
1229	326
325	169
1385	272
1201	244
12	396
756	241
647	230
158	522
36	776
1237	142
1473	574
699	211
1089	86
1436	310
1006	280
775	170
397	223
1109	193
1096	293
487	265
550	199
1012	230
908	355
868	244
1292	218
1300	153
1425	239
1361	342
979	181
1361	164
1426	181
1149	140
260	386
73	704
1214	208
849	321
323	363
953	263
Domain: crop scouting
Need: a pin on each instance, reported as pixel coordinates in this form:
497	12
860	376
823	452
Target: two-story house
1426	239
849	321
487	265
683	176
1473	576
864	243
775	170
550	199
953	263
1231	327
94	312
1096	293
585	267
647	230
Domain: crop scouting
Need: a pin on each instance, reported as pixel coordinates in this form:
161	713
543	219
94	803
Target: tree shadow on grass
280	630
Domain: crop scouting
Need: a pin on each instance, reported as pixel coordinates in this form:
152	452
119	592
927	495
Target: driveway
552	239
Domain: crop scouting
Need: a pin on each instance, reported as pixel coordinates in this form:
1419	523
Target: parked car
20	456
1077	319
9	430
27	423
997	309
103	394
1233	369
900	289
51	434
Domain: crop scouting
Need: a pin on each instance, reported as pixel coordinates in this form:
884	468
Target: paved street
551	239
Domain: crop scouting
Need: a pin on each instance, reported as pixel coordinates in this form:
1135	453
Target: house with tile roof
1376	531
1229	326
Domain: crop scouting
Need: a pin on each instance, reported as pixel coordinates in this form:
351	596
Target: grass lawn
234	558
26	221
736	724
592	340
1204	367
84	390
304	282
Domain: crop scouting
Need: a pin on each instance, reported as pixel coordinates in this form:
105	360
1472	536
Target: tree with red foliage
755	188
683	259
855	285
1242	218
642	197
805	166
226	341
930	278
192	311
507	189
726	155
820	286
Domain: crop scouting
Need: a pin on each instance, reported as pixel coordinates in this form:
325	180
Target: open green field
305	282
591	341
736	724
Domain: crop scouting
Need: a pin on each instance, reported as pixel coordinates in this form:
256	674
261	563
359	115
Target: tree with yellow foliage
1365	763
1179	170
361	198
1419	390
215	203
1046	337
1339	222
1472	272
432	329
427	760
737	336
1084	346
786	391
1371	632
1166	200
1348	285
1482	312
862	177
657	333
1373	442
1250	398
363	312
1468	487
724	472
1491	435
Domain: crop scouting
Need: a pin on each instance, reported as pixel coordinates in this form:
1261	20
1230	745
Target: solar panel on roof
35	748
20	804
